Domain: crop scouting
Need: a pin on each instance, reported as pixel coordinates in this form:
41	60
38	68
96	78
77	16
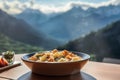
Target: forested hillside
103	43
19	30
9	44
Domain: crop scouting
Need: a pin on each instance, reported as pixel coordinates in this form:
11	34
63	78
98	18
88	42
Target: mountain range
52	30
103	43
19	30
73	23
91	31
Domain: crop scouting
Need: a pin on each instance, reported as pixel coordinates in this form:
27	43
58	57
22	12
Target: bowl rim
74	52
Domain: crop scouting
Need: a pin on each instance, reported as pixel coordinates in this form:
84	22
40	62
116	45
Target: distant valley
73	23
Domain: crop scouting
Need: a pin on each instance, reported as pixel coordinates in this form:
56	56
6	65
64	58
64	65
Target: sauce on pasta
55	56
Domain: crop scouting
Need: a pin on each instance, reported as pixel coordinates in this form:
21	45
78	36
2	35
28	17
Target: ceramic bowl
56	68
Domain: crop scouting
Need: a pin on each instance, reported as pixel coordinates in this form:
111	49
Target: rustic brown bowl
56	68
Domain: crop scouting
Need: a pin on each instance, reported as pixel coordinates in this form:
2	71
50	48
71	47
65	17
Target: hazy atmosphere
89	26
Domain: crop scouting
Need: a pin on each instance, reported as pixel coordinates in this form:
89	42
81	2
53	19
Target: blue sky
56	1
60	2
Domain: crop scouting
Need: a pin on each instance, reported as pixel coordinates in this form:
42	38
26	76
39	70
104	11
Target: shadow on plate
79	76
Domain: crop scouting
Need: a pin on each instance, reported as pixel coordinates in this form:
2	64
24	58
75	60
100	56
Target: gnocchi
55	56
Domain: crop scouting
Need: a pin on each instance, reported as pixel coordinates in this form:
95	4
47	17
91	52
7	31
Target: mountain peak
80	6
34	11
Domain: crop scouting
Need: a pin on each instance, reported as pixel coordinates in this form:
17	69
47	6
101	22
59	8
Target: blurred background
89	26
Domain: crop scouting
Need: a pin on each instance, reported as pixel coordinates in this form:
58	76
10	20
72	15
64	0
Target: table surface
97	70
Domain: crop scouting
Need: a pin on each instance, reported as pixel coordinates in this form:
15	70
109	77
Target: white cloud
16	6
11	7
95	5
